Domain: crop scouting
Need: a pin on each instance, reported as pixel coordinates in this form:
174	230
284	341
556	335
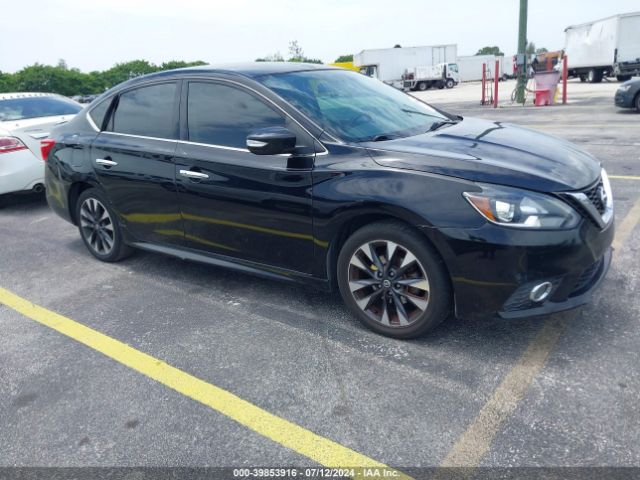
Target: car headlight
513	207
625	88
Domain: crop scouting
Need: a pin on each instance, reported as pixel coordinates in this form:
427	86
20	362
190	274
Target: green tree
531	48
121	72
489	51
274	57
297	54
171	64
295	50
7	82
541	50
344	58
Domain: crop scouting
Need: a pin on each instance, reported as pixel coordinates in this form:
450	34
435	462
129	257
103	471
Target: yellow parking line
626	227
476	441
578	125
624	177
319	449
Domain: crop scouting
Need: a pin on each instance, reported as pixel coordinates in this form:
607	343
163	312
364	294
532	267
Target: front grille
581	199
594	196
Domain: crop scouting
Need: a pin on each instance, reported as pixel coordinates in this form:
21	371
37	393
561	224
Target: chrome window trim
211	145
90	121
244	150
140	136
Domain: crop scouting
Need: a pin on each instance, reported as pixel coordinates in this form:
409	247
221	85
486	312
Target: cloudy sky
95	34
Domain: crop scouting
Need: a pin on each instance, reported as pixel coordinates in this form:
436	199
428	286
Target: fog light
540	292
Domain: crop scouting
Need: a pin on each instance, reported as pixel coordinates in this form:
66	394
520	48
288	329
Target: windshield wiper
382	138
406	110
437	125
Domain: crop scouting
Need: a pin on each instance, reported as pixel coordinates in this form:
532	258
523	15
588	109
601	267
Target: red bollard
565	74
484	83
496	76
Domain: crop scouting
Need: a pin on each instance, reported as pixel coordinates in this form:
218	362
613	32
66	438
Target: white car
25	119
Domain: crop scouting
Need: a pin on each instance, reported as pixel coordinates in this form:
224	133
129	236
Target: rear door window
223	115
146	111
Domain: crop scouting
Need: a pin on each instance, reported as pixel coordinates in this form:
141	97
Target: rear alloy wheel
392	281
99	231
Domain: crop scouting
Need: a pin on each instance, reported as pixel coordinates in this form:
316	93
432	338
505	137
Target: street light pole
522	47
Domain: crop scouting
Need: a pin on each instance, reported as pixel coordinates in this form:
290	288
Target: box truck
470	67
607	47
390	64
424	77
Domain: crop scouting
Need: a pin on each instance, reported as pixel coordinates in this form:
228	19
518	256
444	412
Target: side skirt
252	268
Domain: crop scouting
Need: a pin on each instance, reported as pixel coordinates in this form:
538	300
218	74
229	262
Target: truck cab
369	70
422	78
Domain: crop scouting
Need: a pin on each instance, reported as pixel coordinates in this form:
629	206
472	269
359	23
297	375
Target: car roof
10	96
248	69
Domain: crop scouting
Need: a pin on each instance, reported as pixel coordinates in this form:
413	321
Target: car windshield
34	107
353	107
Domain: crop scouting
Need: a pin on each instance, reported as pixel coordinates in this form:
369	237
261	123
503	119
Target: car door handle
192	174
106	162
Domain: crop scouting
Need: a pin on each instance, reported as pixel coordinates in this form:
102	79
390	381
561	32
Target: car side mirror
271	141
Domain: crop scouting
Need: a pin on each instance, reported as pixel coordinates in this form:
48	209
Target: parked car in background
316	174
628	95
25	119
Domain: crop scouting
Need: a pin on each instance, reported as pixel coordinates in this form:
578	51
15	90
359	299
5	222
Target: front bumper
623	99
493	268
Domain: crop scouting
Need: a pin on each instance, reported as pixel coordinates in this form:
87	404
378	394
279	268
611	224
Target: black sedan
628	95
320	175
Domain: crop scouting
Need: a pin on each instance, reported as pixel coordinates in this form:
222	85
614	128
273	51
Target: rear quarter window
35	107
98	112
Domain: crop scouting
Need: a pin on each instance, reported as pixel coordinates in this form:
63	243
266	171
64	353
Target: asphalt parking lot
562	391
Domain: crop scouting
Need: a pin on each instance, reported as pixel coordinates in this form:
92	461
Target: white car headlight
625	88
513	207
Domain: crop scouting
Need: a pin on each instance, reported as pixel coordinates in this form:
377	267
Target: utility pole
522	47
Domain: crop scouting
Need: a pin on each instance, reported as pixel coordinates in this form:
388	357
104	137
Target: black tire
623	78
95	231
594	75
637	102
422	86
449	83
381	313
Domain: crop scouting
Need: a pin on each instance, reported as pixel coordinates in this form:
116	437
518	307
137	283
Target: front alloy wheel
393	280
388	283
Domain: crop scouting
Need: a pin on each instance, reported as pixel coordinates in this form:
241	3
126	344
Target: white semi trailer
390	64
607	47
470	67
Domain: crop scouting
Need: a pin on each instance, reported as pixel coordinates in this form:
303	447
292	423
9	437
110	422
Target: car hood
492	152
